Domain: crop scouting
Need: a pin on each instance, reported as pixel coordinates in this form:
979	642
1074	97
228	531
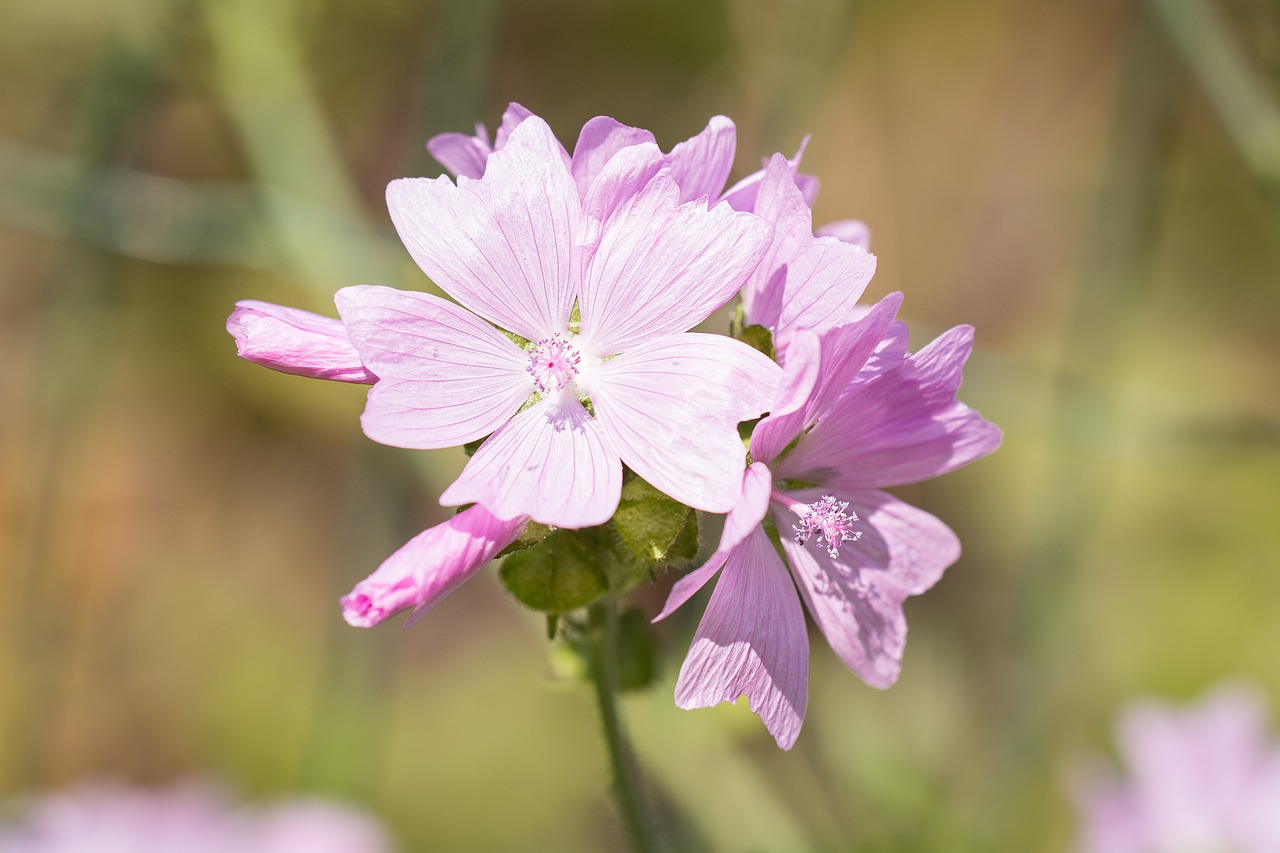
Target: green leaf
532	534
648	522
760	338
685	548
555	576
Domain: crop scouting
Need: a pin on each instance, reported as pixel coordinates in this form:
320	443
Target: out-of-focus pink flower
429	567
855	414
516	248
1205	777
191	818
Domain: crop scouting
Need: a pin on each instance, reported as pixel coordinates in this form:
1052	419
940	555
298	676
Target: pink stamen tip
553	363
827	518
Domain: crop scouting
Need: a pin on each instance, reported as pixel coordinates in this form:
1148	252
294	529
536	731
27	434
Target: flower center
553	363
828	519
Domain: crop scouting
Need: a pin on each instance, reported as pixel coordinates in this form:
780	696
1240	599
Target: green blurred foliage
1076	180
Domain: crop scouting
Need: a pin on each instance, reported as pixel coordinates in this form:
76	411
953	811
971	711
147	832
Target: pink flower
805	281
516	248
294	341
700	165
1202	778
855	414
191	818
429	567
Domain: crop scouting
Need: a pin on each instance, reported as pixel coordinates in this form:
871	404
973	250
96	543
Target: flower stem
627	788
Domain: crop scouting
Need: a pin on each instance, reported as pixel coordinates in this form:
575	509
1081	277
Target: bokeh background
1094	185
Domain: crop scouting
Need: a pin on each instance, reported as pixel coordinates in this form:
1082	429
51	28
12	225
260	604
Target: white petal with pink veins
751	641
551	462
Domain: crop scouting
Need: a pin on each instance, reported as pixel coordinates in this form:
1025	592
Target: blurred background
1094	185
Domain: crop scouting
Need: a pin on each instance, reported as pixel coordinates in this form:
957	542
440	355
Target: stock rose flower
515	248
1205	777
855	414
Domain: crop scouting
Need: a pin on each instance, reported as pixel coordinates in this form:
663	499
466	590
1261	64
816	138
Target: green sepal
648	522
532	534
685	548
553	622
472	446
760	338
557	575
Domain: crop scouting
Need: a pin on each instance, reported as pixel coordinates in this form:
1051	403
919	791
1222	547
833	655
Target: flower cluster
565	351
1205	777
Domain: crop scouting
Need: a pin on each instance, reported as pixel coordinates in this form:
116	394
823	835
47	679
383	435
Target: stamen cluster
827	518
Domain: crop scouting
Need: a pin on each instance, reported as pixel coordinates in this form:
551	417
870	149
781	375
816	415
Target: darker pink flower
855	414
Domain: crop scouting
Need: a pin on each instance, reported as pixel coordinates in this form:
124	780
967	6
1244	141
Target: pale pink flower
855	414
291	340
700	165
515	248
191	818
1205	777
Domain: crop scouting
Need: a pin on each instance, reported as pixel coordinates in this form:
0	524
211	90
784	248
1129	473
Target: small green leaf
685	548
758	337
555	576
648	522
532	534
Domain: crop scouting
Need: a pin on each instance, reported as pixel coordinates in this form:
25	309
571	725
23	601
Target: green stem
627	788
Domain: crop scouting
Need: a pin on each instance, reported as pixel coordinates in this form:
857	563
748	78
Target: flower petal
820	279
900	427
500	245
295	341
511	119
551	462
744	194
446	376
751	641
460	154
672	407
843	353
856	598
657	267
429	566
599	140
701	164
852	231
745	516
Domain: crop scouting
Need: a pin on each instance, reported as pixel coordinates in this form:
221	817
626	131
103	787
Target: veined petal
701	164
511	119
672	407
842	353
852	231
446	376
803	282
501	245
751	641
551	462
600	139
746	515
745	193
460	154
657	267
856	598
291	340
900	427
430	566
